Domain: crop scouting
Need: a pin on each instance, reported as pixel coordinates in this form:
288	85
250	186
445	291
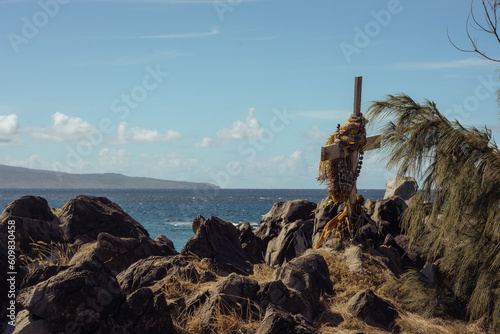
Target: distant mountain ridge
25	178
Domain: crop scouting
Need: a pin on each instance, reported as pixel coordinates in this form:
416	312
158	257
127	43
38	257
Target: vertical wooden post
352	159
358	82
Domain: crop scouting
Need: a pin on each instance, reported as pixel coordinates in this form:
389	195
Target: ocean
170	212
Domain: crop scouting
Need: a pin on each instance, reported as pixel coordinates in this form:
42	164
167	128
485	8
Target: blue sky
238	93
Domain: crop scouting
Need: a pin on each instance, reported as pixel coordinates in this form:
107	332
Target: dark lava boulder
85	217
292	241
234	293
278	321
33	221
219	241
25	221
160	269
326	211
142	312
84	295
281	214
308	275
372	309
119	253
387	214
251	244
402	186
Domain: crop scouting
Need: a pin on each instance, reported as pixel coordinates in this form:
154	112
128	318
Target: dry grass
245	318
409	291
262	273
225	319
48	255
179	285
346	282
412	323
412	300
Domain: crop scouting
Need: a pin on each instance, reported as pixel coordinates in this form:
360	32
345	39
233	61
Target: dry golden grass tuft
412	323
179	285
262	273
224	319
346	282
48	255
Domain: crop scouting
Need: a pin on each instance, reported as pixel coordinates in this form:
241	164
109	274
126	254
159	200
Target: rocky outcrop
286	231
34	222
308	276
119	253
372	309
143	312
25	221
281	214
278	321
292	241
119	280
85	217
86	295
218	241
326	210
250	243
387	214
402	186
234	293
160	270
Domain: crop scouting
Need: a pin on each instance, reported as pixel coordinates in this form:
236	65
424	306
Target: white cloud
64	128
205	142
32	162
251	128
9	128
325	114
114	160
174	166
137	135
315	132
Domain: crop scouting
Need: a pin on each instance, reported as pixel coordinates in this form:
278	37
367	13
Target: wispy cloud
212	32
440	65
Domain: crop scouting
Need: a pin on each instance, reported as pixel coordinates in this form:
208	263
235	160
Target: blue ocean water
170	212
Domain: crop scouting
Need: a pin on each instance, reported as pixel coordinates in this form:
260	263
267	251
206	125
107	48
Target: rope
350	136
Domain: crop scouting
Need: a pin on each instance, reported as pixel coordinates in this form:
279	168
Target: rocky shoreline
88	267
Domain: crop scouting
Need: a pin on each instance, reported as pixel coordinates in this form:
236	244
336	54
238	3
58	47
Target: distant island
26	178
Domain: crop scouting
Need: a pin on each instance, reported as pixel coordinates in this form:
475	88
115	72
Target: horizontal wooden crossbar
331	152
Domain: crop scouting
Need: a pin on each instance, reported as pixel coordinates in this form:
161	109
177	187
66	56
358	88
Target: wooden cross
330	152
